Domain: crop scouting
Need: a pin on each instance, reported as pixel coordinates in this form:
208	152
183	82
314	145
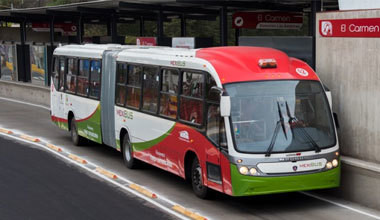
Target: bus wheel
76	139
129	161
199	189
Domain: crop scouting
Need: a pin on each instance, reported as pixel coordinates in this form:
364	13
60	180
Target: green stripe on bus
90	128
148	144
243	185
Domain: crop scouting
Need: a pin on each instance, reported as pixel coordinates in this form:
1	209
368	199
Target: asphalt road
36	122
36	185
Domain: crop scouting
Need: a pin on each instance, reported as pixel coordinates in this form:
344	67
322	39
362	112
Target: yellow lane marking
29	138
78	159
2	130
188	213
142	190
53	147
106	173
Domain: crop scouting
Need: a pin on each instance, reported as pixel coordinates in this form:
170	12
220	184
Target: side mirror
336	120
328	94
329	98
225	106
225	101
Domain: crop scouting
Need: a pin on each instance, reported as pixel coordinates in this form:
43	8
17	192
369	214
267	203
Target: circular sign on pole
239	21
302	72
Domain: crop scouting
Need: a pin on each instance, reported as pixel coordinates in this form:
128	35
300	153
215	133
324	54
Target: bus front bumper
243	185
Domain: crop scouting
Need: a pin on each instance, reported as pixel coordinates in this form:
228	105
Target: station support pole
160	27
183	25
315	7
142	26
79	30
223	26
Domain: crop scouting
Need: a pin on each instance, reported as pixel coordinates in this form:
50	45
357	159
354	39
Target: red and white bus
238	120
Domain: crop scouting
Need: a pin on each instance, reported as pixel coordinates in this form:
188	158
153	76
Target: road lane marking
142	190
5	131
29	138
78	159
25	103
186	212
341	205
124	185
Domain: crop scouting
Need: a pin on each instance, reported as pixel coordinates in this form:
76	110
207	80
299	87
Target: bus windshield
300	106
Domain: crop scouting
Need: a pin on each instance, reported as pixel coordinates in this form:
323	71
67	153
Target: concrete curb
375	167
25	92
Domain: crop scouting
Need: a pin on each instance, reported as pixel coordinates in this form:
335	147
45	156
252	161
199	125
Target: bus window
71	77
215	123
134	86
121	79
191	103
192	84
95	79
62	64
150	91
84	73
169	91
55	73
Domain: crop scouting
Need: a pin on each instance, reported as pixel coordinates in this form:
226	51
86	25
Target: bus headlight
253	171
243	170
328	165
335	163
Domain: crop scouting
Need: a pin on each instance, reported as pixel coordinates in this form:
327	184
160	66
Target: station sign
146	41
267	20
362	27
64	28
183	42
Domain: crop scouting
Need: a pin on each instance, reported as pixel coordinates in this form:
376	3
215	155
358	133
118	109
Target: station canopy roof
126	11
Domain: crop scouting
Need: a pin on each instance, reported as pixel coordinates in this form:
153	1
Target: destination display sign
267	20
361	27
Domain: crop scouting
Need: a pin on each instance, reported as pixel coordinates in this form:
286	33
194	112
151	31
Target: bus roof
91	50
86	50
236	64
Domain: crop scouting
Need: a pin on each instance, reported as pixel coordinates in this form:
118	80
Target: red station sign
363	27
146	41
65	28
267	20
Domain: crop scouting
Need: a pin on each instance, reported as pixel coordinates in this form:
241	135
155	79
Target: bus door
58	97
55	86
215	131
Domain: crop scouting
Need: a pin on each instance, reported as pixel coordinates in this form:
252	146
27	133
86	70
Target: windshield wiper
274	136
303	130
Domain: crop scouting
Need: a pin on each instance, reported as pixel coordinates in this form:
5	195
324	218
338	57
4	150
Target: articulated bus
239	120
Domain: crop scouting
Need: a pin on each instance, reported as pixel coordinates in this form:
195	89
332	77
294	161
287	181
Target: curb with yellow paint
29	138
188	213
78	159
106	173
5	131
53	147
142	190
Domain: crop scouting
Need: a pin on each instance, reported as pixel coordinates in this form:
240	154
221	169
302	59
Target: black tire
129	161
75	137
199	189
